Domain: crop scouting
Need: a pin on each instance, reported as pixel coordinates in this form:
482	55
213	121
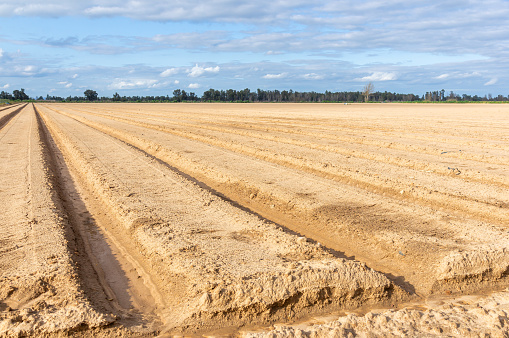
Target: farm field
254	219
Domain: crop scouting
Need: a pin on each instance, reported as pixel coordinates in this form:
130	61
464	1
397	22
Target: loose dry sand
142	219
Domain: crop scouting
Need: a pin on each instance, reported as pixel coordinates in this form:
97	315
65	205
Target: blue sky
150	47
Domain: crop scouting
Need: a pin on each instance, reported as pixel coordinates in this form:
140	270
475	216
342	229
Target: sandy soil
39	284
202	217
466	316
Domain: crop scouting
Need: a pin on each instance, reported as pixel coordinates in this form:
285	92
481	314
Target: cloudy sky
151	47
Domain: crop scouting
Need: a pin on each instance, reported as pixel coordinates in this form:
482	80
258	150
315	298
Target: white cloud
197	71
6	86
466	75
458	75
194	86
25	70
443	76
491	82
275	76
313	76
379	76
169	72
131	84
65	83
327	45
271	52
199	10
347	24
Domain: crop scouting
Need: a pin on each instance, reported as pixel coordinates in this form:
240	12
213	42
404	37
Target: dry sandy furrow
40	290
355	124
467	316
7	114
7	107
483	201
466	146
430	180
212	263
431	249
436	161
389	178
470	170
352	147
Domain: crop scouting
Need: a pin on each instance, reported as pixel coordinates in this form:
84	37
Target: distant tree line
246	95
16	95
438	96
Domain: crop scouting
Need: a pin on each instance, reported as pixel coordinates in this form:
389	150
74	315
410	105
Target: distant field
191	218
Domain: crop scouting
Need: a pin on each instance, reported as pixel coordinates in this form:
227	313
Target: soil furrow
10	106
212	219
7	116
351	118
108	273
40	291
432	249
331	128
382	153
405	143
429	192
214	264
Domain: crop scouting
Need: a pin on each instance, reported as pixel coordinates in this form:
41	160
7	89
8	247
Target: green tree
5	96
20	94
177	95
90	94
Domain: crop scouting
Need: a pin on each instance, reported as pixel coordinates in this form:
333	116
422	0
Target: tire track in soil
109	276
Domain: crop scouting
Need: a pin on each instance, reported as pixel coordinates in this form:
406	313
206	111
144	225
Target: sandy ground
466	316
39	284
196	218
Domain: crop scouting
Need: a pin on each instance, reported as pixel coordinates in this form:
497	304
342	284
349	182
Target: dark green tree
20	94
177	95
5	96
90	94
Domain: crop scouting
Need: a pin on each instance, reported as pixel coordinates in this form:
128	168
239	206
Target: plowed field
163	219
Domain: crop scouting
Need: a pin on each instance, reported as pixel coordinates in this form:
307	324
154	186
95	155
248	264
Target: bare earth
254	219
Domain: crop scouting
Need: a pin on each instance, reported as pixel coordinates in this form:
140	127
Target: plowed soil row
6	114
40	282
393	189
145	219
206	263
